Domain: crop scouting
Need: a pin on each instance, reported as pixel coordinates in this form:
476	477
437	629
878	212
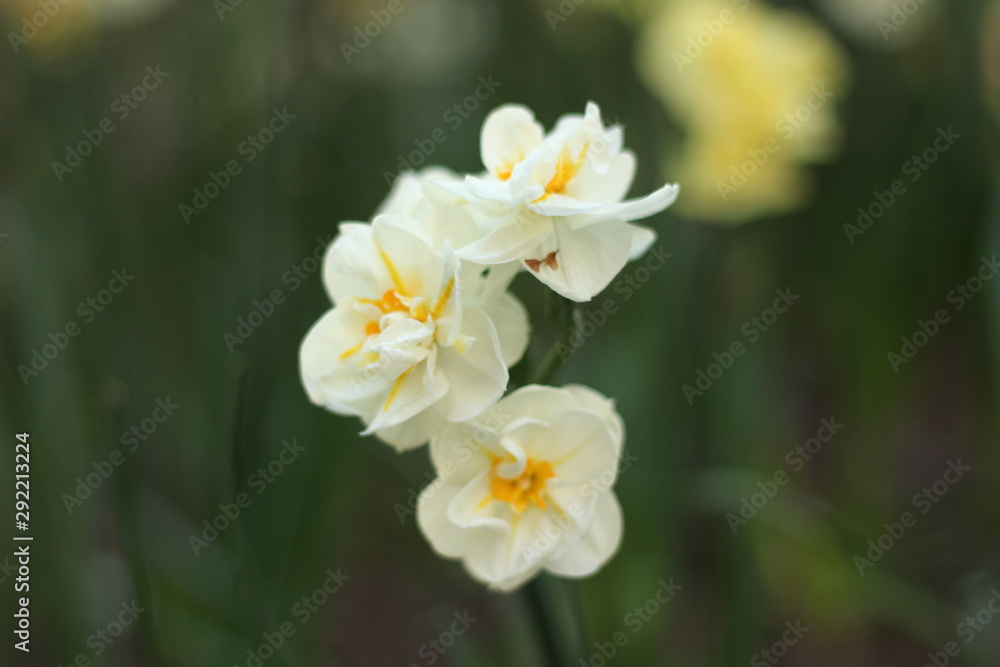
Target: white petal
586	259
408	195
589	399
412	392
446	308
509	134
591	185
414	431
462	451
642	239
536	402
326	371
633	209
473	506
510	318
348	266
489	190
597	545
407	262
398	348
580	447
477	374
515	582
446	538
509	241
563	205
503	558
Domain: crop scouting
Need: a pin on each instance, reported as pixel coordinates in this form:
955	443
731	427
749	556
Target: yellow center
566	168
396	300
526	488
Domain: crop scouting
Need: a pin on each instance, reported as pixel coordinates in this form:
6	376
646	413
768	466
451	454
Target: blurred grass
334	507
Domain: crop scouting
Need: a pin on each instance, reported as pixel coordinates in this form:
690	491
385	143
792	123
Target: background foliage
342	503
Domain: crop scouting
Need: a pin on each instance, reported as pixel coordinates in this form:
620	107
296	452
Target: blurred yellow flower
754	89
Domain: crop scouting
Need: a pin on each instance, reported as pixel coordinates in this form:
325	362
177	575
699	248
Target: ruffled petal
510	133
475	369
597	545
579	264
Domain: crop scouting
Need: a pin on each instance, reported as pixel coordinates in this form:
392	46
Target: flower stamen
528	487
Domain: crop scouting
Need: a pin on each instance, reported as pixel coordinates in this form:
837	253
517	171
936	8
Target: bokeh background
344	503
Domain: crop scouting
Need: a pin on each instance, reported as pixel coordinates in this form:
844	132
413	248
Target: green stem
561	314
548	628
550	366
561	623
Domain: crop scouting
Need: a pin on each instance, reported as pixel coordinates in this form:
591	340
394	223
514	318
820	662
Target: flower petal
348	266
412	392
446	538
510	318
326	371
415	431
630	210
585	260
461	451
588	399
642	239
597	545
509	240
509	134
504	558
478	372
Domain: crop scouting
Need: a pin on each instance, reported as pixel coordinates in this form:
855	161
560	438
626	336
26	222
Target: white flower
527	487
416	337
556	203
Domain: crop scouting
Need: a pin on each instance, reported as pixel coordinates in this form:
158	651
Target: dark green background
335	506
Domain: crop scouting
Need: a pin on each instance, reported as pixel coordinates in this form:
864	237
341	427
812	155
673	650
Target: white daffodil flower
526	487
556	203
416	337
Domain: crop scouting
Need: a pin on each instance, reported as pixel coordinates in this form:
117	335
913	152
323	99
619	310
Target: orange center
526	488
566	168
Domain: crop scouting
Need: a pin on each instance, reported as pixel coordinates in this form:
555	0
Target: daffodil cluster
423	331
